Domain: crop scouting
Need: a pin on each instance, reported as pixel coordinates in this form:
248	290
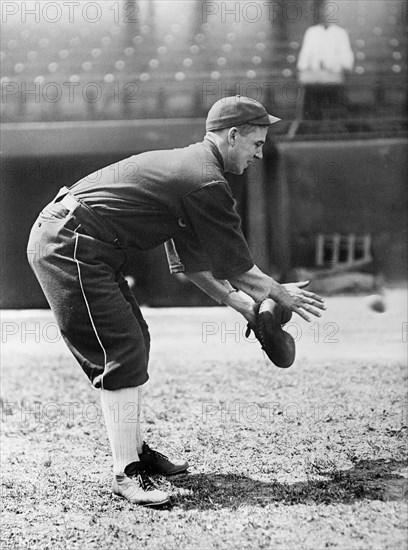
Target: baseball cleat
155	463
138	488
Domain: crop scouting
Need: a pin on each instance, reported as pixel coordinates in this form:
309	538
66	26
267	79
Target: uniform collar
215	151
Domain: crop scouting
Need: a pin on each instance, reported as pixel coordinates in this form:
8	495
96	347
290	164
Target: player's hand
293	297
242	303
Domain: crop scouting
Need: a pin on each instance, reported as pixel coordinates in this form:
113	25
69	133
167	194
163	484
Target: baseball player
179	197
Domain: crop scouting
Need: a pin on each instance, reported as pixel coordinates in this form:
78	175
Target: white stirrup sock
121	411
139	439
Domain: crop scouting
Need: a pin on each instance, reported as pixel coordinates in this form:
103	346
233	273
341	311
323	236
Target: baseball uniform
78	250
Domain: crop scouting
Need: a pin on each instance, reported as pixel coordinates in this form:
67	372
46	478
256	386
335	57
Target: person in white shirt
324	59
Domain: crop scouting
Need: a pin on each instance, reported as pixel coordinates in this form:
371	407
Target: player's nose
258	155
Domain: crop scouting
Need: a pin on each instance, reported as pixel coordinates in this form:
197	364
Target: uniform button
181	223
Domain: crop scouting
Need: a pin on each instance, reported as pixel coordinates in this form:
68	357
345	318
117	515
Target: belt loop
70	202
61	193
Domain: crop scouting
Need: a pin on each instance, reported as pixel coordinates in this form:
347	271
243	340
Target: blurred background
85	84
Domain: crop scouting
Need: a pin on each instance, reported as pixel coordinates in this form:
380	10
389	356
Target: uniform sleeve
212	218
185	253
173	258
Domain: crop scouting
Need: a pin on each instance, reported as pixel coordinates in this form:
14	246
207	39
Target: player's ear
232	135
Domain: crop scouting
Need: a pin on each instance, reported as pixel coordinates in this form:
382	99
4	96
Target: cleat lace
145	482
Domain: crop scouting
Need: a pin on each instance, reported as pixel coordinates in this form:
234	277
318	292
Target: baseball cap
235	110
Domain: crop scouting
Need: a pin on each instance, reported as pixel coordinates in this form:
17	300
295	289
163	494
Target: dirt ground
314	456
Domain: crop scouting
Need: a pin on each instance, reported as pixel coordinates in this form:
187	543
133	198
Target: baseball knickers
79	262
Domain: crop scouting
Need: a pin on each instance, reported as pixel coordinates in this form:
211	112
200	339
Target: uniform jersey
178	194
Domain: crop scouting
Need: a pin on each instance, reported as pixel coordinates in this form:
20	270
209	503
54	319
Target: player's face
243	150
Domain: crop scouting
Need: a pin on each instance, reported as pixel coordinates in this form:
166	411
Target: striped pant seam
87	303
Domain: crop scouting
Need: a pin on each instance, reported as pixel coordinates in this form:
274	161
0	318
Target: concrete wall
353	186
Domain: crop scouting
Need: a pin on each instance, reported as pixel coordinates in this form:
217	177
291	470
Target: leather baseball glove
278	344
